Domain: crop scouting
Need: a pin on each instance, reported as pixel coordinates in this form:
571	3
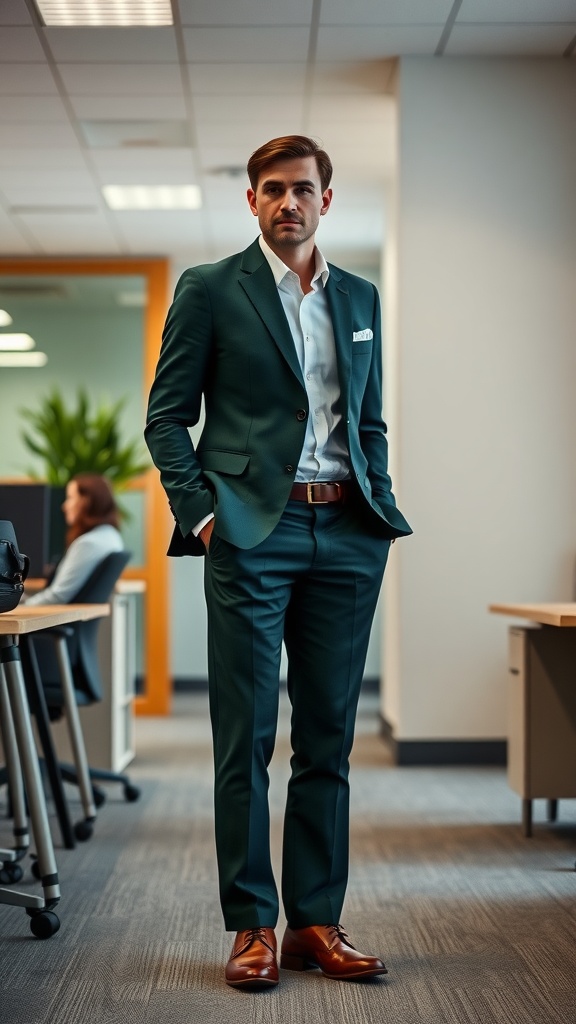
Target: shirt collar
279	268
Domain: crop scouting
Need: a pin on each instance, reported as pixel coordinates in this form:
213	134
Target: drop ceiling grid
517	11
510	40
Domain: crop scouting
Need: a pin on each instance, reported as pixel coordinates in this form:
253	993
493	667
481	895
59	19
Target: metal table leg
83	830
37	700
44	921
11	871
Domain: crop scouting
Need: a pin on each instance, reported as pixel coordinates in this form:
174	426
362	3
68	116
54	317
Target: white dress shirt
324	454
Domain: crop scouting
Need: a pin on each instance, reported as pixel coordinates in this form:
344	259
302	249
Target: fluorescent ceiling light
23	359
105	12
16	342
5	318
152	197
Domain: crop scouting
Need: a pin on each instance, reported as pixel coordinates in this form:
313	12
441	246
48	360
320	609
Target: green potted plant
80	439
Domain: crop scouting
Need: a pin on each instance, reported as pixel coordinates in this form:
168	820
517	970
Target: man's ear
251	196
326	200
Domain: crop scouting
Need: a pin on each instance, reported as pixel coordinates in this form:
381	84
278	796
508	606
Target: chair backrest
82	645
101	581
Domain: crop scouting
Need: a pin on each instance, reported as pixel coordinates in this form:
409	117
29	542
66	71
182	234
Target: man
287	493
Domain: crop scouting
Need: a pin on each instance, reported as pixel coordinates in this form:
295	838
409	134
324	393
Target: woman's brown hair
98	506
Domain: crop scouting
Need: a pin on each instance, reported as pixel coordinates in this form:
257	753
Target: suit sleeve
176	399
372	431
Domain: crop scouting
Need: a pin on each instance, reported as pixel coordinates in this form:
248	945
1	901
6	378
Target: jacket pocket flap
233	463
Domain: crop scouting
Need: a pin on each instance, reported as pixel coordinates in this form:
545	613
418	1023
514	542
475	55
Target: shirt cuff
200	526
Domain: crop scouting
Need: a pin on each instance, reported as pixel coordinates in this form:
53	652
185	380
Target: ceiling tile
74	234
510	40
18	195
246	136
14	12
219	110
121	79
52	135
28	174
112	108
26	80
247	79
355	43
385	12
351	109
32	108
351	77
255	45
144	167
13	240
20	44
245	12
128	45
517	11
42	159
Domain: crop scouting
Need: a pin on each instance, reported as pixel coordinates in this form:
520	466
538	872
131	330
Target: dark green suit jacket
227	339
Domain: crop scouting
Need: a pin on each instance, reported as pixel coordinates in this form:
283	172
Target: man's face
289	202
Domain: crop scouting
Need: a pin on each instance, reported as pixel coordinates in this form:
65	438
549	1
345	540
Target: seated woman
92	519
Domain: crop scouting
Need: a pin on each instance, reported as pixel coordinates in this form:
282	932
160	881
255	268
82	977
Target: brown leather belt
320	493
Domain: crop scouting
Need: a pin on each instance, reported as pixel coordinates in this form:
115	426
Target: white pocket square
365	335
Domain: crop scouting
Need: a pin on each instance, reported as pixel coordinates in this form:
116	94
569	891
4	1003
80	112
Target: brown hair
288	147
98	506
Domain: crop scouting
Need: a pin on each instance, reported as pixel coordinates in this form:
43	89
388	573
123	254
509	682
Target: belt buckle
318	501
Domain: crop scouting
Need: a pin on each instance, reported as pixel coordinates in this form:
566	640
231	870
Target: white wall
484	369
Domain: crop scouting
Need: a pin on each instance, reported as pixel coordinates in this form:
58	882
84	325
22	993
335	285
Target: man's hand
206	533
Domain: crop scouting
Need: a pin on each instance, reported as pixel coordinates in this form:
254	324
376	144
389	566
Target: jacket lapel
257	280
339	305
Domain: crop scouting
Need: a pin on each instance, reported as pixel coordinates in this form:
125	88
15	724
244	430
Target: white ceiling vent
133	134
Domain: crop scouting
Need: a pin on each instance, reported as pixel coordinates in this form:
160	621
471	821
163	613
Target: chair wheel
44	924
98	795
83	830
131	792
10	873
35	869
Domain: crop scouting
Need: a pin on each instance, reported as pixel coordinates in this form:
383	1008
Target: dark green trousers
314	583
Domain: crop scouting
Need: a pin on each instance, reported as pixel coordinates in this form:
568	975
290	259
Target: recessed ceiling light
152	197
105	12
16	342
23	359
5	318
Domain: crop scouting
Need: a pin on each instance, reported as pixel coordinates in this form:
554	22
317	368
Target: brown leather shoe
329	948
252	963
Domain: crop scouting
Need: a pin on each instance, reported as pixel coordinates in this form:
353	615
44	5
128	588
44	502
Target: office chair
42	655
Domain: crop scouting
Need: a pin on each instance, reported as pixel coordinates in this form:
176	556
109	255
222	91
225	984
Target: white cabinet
108	726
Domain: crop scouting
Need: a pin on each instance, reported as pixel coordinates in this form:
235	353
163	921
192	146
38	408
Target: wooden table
550	614
542	704
21	753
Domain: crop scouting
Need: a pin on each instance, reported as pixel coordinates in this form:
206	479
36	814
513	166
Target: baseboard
443	752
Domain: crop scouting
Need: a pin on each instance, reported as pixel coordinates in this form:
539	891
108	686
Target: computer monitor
34	509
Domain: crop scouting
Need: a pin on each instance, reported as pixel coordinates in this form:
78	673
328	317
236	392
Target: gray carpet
477	924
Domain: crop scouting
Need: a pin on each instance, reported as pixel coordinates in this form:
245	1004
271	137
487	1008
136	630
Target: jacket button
289	469
301	414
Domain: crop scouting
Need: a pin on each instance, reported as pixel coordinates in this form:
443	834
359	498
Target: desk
19	743
542	704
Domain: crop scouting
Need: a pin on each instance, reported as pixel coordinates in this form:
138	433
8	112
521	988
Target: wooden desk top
26	620
547	614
